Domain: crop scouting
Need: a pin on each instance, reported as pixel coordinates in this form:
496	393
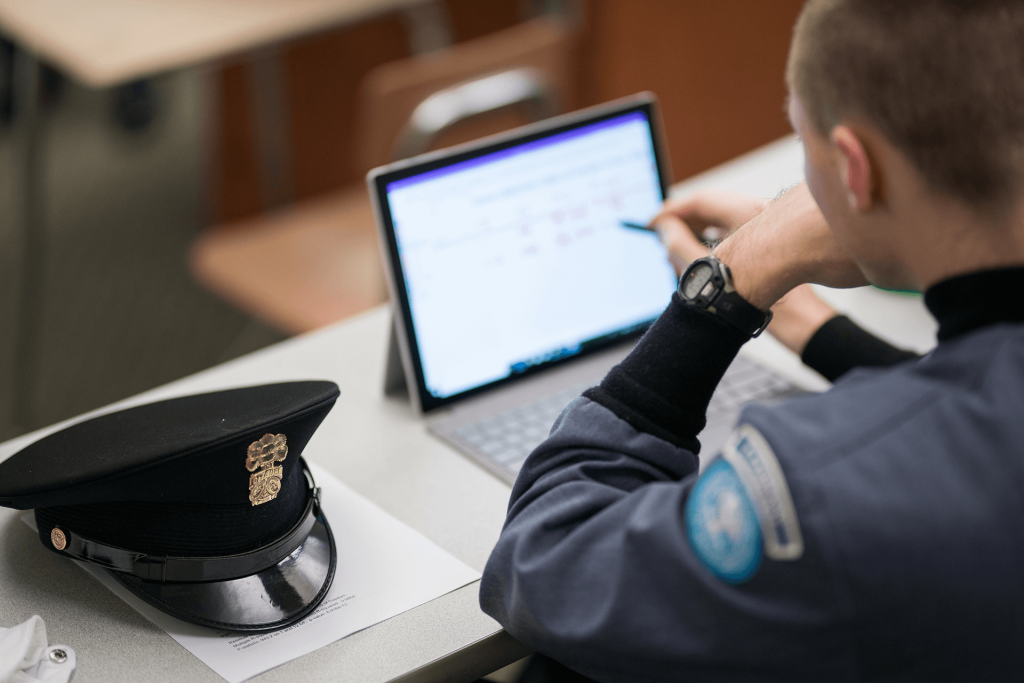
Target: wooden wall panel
475	18
717	68
323	75
235	179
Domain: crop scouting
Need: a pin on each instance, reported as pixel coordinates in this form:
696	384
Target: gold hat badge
265	484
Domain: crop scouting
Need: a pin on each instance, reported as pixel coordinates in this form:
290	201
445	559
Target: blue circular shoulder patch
722	525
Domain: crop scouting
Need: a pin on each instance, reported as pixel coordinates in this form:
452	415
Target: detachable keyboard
502	441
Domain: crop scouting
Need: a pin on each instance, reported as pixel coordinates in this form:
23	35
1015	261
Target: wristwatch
707	284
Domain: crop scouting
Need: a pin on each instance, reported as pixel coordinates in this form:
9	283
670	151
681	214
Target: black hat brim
271	599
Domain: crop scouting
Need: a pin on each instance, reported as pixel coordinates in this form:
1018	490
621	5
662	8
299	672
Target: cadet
872	532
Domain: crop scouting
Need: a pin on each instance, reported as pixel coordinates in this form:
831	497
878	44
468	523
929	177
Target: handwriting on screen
519	257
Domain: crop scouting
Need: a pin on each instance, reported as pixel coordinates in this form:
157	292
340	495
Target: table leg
33	242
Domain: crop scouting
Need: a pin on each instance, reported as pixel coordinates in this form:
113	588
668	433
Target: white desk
376	446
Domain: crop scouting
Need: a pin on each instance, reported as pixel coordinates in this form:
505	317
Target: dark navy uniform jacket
873	532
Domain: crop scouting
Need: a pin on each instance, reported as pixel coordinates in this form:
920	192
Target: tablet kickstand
394	374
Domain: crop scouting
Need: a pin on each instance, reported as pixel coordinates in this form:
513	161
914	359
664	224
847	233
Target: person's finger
696	224
719	208
682	245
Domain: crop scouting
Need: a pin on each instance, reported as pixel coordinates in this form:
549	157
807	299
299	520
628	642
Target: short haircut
943	80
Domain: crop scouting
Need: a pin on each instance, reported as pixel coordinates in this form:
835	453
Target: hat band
164	569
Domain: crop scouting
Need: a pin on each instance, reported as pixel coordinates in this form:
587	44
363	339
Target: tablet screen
518	257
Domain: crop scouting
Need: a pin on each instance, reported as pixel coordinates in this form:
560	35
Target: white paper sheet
384	568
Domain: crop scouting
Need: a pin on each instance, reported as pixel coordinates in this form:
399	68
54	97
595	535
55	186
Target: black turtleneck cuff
664	385
840	346
965	303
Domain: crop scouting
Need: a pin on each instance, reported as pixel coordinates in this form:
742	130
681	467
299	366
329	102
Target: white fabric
25	657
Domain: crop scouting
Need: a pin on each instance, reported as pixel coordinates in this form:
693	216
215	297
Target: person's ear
855	169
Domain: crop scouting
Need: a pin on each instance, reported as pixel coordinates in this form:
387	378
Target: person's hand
711	214
716	214
784	246
797	316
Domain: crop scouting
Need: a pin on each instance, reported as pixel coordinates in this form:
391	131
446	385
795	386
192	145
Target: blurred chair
319	261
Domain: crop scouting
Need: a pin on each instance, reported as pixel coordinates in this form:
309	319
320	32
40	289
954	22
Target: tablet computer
507	257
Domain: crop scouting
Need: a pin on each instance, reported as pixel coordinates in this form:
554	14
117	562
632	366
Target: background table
379	448
106	42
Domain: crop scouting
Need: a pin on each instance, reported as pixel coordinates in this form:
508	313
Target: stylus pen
709	236
637	226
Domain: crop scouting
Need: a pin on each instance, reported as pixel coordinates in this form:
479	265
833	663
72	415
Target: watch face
696	278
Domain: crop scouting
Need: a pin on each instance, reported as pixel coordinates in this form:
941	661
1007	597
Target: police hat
200	505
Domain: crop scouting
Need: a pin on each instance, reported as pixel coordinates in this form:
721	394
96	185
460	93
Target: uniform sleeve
595	566
663	387
841	345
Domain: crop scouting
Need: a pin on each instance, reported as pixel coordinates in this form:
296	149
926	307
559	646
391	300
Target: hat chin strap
164	569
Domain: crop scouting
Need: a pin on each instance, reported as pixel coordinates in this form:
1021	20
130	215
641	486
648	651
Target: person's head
932	88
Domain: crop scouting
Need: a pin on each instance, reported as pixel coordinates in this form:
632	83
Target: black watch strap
735	310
